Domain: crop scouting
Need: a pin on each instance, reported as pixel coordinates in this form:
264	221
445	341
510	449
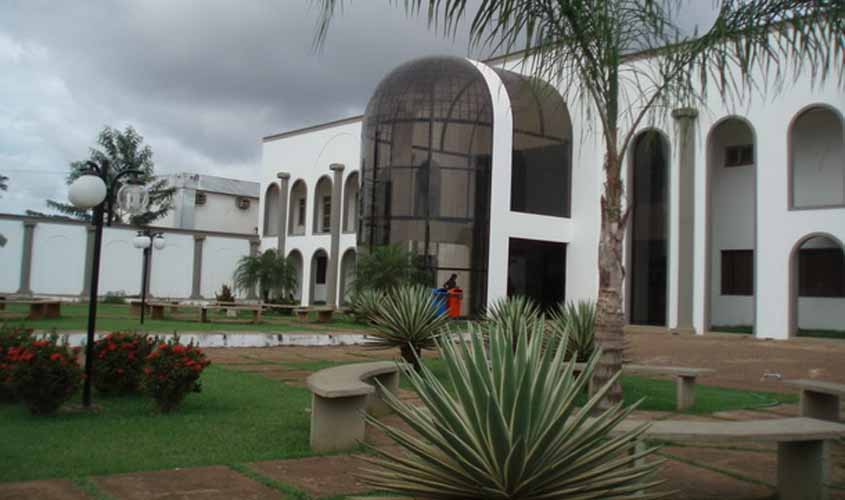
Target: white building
209	203
738	215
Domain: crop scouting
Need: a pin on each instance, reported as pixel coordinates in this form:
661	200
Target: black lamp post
146	240
96	190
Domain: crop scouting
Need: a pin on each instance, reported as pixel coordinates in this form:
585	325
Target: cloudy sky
202	81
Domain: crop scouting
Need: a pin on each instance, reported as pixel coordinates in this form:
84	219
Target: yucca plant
364	305
577	323
408	318
513	315
504	425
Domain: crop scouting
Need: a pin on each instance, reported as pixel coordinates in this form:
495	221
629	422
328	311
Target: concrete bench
287	309
254	309
684	379
340	397
819	399
155	308
38	308
803	464
324	313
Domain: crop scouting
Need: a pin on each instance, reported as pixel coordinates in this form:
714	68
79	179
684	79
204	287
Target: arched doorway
816	151
271	210
319	268
649	231
297	208
350	203
731	225
347	274
323	206
295	258
817	285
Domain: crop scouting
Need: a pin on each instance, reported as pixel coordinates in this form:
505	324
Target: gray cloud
202	81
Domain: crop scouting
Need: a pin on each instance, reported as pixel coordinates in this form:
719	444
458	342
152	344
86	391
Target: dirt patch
318	476
694	483
54	489
215	483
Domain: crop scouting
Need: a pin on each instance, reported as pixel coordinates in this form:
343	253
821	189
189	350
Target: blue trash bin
441	298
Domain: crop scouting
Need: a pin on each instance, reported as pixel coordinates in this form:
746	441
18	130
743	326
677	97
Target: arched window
271	210
323	206
817	159
319	272
541	171
295	259
649	229
818	284
731	225
350	203
347	275
297	208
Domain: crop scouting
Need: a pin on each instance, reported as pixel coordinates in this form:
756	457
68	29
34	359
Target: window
737	272
821	272
301	213
199	198
327	214
320	274
737	156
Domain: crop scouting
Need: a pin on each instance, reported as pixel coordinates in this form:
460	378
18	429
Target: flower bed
172	372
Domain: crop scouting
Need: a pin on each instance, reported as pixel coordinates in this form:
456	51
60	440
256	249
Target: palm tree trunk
412	354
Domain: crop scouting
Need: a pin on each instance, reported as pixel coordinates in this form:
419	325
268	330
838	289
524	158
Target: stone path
699	471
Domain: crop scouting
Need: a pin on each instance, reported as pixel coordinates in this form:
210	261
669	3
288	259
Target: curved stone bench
340	397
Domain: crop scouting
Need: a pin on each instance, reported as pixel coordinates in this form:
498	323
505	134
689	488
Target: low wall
46	256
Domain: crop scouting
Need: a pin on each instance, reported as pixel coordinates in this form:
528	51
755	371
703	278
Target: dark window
537	269
737	156
821	272
737	272
320	275
327	214
199	199
301	218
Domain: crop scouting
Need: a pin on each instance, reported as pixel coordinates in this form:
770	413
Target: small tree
125	150
270	272
386	268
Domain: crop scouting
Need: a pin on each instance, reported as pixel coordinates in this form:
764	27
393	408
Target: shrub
44	374
364	305
408	318
504	425
577	322
119	362
118	297
225	294
515	316
9	338
385	268
172	371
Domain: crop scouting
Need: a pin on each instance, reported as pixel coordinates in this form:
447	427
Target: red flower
55	356
178	348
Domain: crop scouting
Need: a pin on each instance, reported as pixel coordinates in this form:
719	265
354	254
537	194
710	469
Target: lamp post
145	241
95	190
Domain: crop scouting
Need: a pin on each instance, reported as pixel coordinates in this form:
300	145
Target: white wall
818	159
221	213
10	255
54	247
171	268
220	257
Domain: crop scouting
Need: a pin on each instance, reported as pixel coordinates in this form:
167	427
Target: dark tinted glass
426	140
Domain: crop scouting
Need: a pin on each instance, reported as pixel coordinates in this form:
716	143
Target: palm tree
125	150
593	50
270	272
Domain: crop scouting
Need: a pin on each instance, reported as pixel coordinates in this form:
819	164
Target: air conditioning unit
199	199
243	203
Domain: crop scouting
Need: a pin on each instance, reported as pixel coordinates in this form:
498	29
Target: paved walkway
699	471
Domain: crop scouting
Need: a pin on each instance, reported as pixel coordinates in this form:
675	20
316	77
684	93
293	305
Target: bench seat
324	313
819	399
803	461
340	397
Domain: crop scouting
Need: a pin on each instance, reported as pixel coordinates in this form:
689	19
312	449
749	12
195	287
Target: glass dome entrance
427	147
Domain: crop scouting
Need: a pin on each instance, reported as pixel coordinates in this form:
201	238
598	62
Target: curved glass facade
426	146
541	168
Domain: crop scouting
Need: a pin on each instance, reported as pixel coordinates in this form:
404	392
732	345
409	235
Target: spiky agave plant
365	304
408	318
575	322
504	425
512	315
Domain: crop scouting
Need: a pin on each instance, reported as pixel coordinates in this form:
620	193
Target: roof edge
312	128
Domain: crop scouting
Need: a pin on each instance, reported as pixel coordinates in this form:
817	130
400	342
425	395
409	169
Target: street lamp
95	190
146	240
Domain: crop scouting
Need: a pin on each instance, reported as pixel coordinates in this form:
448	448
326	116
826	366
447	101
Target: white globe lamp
87	191
141	241
133	198
158	242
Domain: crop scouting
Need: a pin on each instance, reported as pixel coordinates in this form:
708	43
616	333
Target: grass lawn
239	417
660	394
116	317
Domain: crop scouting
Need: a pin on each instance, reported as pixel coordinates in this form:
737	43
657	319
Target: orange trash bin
456	296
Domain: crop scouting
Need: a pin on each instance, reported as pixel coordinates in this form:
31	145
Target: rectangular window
301	214
821	272
327	214
737	156
737	272
320	274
